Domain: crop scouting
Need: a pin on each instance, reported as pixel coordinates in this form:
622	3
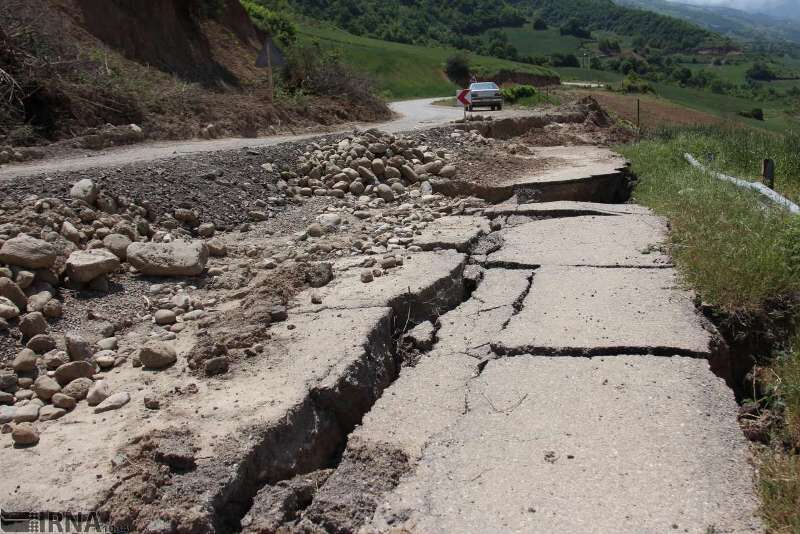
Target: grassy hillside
404	71
530	42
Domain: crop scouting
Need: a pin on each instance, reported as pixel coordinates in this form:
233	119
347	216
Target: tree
539	24
761	72
573	27
457	68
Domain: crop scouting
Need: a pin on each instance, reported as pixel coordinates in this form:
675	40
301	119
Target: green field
727	106
404	71
530	42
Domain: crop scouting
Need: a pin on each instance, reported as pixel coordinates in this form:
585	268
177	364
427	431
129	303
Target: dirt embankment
75	66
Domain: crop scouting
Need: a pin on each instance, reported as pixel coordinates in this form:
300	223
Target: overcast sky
751	5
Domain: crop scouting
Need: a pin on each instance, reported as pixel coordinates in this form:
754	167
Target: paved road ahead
412	114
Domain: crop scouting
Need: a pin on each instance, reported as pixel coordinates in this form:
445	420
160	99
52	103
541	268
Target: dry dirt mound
71	66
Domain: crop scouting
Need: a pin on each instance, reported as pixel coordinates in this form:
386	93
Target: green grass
404	71
779	485
726	245
530	42
727	107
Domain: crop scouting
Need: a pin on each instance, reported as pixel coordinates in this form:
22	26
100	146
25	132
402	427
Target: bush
310	69
457	69
539	24
636	84
760	72
755	113
517	92
273	21
564	60
574	28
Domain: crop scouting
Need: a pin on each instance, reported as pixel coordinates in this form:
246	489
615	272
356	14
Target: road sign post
465	97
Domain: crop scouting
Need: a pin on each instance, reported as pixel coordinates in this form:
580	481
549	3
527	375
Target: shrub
517	92
755	113
273	21
539	24
457	69
760	72
564	60
633	83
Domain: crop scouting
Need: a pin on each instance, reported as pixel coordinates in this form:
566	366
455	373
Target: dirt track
529	366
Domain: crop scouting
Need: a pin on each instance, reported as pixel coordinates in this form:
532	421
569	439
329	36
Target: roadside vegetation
742	256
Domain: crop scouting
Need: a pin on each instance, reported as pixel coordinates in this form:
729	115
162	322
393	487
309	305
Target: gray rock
78	388
99	392
105	359
7	414
73	370
179	258
118	245
108	343
83	266
70	233
157	355
45	387
84	190
61	400
448	171
27	414
217	248
41	343
25	361
315	230
216	366
77	348
54	359
8	310
29	252
8	381
114	402
6	398
53	309
164	317
409	174
206	230
50	413
12	292
33	324
24	279
385	192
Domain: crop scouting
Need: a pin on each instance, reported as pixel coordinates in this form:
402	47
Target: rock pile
374	165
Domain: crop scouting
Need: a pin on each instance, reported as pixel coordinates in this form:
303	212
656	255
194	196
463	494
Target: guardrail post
768	173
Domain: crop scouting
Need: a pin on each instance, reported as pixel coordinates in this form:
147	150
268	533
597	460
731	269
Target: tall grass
738	252
740	151
729	244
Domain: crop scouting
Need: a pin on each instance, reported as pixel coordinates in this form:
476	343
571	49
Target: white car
485	94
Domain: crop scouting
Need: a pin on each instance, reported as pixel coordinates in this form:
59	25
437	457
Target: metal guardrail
755	186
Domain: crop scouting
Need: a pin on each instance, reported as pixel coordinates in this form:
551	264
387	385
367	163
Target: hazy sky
740	4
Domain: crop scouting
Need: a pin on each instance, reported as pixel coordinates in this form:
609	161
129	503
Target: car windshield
481	86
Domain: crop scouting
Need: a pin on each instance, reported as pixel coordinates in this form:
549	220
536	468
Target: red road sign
465	97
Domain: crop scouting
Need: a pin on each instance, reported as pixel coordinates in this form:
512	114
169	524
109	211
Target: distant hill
771	25
459	23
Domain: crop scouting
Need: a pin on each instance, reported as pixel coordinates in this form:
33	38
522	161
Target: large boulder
29	252
84	190
157	355
83	266
178	258
73	370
